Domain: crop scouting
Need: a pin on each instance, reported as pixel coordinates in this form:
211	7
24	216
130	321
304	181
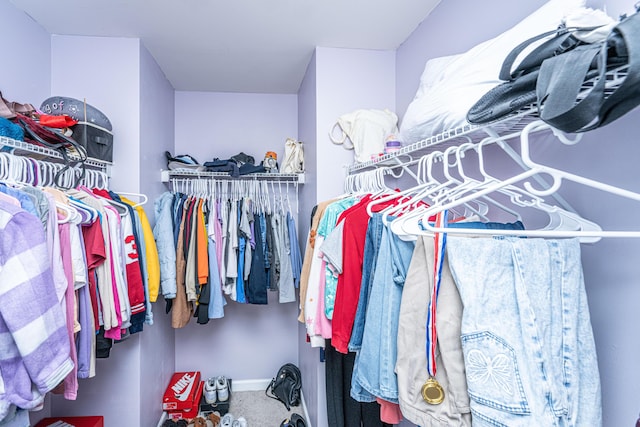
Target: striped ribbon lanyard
432	392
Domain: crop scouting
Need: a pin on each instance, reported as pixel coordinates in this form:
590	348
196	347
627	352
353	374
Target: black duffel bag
93	130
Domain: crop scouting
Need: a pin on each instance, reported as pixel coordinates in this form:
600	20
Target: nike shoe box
181	391
96	421
192	411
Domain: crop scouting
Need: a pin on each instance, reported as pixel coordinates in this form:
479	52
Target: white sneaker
240	422
222	387
226	420
210	391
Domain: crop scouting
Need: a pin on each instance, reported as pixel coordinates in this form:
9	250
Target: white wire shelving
167	175
21	148
512	124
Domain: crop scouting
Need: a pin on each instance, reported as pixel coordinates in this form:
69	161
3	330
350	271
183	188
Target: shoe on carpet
226	420
199	422
222	388
214	417
240	422
210	391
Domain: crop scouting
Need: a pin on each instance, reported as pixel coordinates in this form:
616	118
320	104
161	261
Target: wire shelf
21	148
188	173
513	123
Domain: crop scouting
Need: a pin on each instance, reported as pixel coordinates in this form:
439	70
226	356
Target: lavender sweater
34	346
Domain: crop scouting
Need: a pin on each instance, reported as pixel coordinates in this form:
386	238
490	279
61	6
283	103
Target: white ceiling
253	46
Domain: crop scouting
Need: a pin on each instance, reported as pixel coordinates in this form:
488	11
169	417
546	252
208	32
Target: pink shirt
322	323
71	380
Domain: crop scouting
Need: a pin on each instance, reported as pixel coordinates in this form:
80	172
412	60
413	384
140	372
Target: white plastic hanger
143	197
587	230
469	182
68	211
416	194
407	224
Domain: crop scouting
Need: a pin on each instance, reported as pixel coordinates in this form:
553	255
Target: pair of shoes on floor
228	421
295	421
216	389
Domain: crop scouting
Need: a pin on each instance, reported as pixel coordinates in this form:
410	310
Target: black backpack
286	386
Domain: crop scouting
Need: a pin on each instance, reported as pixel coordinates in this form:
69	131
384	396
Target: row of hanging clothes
513	342
220	239
78	271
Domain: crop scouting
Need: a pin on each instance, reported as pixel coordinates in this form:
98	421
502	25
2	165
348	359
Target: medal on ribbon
432	391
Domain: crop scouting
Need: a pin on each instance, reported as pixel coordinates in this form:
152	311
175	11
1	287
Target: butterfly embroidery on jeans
484	370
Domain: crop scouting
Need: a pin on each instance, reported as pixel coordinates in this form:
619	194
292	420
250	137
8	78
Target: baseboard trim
305	413
163	418
250	385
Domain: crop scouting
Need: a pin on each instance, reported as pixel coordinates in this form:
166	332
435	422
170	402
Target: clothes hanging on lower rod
381	303
77	248
224	244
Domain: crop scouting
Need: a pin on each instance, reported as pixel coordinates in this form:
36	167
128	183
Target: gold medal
432	392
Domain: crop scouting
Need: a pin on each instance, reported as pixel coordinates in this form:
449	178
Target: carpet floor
258	409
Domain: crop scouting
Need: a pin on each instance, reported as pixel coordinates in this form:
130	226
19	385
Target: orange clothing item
201	246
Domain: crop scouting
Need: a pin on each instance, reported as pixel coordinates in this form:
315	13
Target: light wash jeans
369	261
528	345
374	369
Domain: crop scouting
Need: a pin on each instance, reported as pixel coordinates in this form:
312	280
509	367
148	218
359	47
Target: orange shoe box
96	421
181	391
192	412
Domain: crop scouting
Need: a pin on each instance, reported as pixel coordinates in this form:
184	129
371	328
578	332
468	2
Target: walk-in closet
566	203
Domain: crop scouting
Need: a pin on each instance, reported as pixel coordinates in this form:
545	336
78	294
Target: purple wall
156	136
343	79
209	125
107	74
608	154
309	361
25	75
25	78
347	80
157	127
221	125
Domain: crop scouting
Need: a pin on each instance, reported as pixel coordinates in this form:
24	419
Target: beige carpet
260	410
